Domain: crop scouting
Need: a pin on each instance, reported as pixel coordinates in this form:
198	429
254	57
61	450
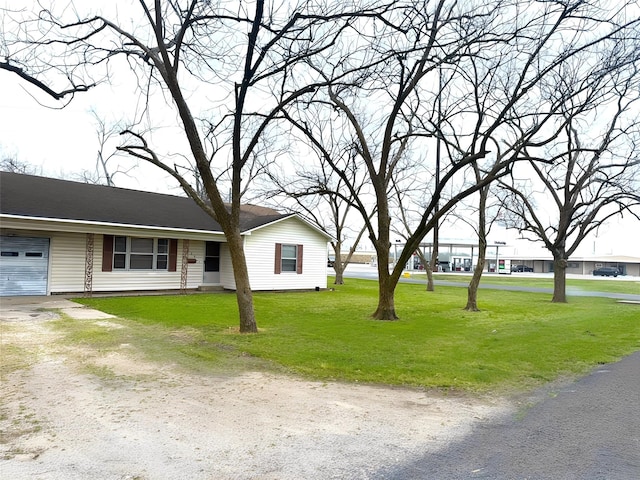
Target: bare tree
487	215
481	81
323	196
11	163
410	43
105	169
386	97
586	169
234	65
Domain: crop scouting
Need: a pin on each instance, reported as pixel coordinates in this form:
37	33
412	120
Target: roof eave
109	224
286	217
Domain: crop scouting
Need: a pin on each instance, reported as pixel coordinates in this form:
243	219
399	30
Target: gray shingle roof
42	197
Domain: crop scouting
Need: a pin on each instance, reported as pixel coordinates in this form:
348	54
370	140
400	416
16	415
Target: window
288	258
131	253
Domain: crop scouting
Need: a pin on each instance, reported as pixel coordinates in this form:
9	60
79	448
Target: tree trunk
472	290
430	284
386	290
244	295
386	300
338	266
427	266
339	274
559	278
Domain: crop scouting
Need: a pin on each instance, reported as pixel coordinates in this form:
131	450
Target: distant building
462	256
584	265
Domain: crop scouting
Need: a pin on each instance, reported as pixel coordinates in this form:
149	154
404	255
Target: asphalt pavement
584	430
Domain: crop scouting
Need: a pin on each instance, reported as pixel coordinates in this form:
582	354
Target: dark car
521	268
331	260
606	272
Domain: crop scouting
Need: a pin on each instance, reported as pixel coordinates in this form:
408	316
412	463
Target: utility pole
436	233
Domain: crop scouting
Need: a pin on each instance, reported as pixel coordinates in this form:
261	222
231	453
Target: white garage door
24	263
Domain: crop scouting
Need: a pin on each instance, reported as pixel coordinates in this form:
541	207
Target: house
59	236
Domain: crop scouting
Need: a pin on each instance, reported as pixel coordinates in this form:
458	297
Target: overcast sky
64	142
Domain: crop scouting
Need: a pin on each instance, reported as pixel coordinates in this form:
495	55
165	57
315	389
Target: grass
518	340
12	357
183	346
522	280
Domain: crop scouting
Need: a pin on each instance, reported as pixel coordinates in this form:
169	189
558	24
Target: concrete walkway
15	309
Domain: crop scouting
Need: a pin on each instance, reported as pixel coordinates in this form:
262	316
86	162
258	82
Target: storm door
212	263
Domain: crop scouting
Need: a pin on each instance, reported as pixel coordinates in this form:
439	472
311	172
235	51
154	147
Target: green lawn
518	340
589	284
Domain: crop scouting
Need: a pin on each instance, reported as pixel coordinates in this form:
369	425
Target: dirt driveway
154	421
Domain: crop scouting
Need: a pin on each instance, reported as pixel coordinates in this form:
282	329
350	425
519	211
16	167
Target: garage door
24	263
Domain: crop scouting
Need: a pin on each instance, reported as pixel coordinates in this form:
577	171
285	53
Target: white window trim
294	258
155	254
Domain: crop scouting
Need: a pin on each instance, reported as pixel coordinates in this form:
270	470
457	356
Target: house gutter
88	226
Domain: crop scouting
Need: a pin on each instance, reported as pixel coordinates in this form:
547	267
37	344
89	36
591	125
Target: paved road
585	430
589	429
370	273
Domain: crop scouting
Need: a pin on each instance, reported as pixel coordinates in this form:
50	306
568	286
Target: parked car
331	260
521	268
606	272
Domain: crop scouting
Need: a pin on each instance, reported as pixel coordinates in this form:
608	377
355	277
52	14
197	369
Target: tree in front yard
387	95
223	71
319	193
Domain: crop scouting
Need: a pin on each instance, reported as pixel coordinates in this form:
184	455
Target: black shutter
278	265
107	253
173	255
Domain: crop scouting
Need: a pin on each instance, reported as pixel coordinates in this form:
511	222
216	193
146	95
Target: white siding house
66	265
179	248
260	247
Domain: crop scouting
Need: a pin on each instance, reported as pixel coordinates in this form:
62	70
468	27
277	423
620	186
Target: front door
212	263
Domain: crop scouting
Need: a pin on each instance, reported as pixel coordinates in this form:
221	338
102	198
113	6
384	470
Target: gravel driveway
154	421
